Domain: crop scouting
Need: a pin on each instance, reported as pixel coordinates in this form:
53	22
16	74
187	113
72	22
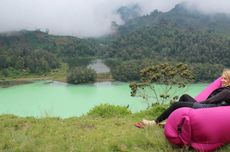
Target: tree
79	75
170	77
129	70
206	72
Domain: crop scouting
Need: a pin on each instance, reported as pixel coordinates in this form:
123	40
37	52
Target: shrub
173	77
81	75
108	111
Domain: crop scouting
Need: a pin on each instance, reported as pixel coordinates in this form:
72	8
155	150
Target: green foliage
172	43
167	74
171	76
12	72
78	61
175	36
37	52
112	62
152	112
206	72
36	61
79	75
129	70
183	18
108	111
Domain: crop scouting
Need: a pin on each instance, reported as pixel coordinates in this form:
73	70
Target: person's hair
226	74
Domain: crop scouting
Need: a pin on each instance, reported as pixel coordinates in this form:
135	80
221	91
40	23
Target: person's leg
184	101
186	98
172	108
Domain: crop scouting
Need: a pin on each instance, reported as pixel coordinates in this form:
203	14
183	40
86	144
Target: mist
85	18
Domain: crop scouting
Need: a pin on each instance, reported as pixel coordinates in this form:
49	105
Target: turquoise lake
51	98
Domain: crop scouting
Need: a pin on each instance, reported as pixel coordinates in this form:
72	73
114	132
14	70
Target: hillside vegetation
179	35
38	52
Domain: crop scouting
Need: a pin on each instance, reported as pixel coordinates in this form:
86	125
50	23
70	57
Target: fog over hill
86	18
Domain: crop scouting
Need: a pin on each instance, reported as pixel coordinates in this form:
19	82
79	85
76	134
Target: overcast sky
83	18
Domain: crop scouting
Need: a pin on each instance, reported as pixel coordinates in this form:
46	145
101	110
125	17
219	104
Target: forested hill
39	52
62	45
182	17
180	34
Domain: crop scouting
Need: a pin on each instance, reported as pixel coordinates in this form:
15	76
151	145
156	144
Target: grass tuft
108	111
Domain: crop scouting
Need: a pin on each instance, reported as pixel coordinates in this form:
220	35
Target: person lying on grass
219	97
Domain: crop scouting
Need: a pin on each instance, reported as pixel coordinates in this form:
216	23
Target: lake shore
18	81
5	82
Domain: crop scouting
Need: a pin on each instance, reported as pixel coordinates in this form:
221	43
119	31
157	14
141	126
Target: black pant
184	101
224	95
187	101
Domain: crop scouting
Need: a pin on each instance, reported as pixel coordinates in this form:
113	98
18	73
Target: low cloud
83	18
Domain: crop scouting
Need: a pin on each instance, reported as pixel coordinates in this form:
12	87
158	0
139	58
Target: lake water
48	98
99	66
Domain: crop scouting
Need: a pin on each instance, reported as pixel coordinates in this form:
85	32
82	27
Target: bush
81	75
173	77
108	111
152	112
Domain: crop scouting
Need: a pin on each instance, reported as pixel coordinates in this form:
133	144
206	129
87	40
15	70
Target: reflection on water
57	83
48	82
103	84
99	66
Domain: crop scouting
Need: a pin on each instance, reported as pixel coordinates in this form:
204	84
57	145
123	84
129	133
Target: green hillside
179	35
38	52
181	17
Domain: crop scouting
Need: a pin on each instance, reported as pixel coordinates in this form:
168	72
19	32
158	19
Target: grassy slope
78	134
56	74
86	134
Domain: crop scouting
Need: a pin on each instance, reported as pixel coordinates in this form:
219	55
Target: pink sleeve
208	90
